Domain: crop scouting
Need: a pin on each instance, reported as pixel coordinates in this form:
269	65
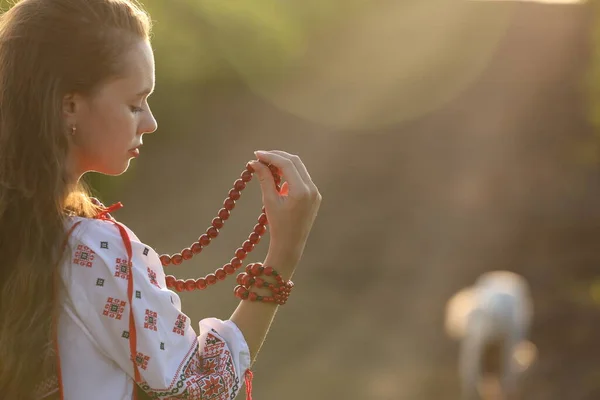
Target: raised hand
291	211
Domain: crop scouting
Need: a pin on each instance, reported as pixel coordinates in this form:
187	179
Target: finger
298	163
287	167
265	178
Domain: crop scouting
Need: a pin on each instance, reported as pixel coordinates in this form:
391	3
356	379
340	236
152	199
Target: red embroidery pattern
84	256
142	360
211	386
152	276
114	308
150	320
122	268
179	327
201	378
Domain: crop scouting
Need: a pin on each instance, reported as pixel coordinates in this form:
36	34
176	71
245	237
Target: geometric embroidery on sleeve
122	268
211	386
146	251
150	320
199	379
152	276
114	308
84	256
142	360
104	245
179	327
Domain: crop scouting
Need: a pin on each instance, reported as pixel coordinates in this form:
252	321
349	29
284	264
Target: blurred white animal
492	318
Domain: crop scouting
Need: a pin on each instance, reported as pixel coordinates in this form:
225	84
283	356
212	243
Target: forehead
137	75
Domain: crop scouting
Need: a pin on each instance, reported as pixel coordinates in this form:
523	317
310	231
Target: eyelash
136	110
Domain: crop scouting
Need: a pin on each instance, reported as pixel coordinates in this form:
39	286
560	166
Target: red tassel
248	377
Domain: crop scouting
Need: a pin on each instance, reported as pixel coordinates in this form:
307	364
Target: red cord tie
248	378
105	213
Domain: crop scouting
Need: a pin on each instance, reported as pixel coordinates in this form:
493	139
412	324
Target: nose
149	123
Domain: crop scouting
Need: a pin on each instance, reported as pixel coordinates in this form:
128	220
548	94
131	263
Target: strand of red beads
280	290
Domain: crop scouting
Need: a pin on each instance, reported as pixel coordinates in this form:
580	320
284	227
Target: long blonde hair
48	48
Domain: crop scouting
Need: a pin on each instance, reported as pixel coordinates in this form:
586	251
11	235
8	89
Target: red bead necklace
280	290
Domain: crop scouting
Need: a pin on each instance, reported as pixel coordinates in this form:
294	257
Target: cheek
105	133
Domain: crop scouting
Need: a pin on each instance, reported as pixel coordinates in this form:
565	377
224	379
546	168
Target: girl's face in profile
110	123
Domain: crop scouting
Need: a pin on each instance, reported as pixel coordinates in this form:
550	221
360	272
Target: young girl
85	309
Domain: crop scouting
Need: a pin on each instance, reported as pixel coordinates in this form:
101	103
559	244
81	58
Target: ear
71	105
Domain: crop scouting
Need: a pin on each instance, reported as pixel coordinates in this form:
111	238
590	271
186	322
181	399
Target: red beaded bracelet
280	291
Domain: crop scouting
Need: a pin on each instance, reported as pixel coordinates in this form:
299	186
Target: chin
115	170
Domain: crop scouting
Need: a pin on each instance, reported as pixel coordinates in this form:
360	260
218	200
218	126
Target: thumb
267	183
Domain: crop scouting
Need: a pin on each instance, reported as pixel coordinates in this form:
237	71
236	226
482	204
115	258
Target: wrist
284	260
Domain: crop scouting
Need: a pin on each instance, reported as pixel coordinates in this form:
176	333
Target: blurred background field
447	137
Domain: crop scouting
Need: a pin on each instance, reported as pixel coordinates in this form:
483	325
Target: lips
135	151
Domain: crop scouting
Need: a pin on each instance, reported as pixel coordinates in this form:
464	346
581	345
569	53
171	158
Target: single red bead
275	290
235	262
268	271
240	253
246	176
187	254
258	282
229	204
190	285
247	246
165	260
210	279
239	185
249	268
179	285
170	280
177	259
240	292
240	278
217	223
252	296
212	232
254	238
260	229
234	194
196	248
204	240
220	274
247	281
224	214
229	269
249	168
200	283
262	219
256	269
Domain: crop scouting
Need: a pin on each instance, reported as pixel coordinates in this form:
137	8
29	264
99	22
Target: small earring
73	130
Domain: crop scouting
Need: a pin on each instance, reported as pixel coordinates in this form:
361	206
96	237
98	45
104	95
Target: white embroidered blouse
97	337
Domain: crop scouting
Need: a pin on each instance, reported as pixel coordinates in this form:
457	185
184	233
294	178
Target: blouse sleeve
171	362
